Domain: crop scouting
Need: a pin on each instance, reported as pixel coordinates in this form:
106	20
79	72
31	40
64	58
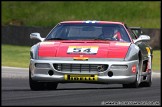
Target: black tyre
35	86
132	85
51	86
138	78
148	83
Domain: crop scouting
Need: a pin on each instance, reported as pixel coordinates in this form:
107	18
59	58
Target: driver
106	33
117	35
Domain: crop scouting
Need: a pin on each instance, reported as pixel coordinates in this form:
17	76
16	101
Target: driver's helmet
117	34
115	31
107	31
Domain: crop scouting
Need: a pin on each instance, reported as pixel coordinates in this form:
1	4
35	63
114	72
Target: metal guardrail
19	35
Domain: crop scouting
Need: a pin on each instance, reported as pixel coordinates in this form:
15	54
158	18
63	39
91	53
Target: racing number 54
82	50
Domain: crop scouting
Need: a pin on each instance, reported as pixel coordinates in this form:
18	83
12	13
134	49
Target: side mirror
142	38
36	36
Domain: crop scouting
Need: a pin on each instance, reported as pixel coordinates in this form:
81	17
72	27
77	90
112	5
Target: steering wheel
107	37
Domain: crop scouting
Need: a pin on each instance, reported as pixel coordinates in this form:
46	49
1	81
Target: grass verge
15	56
156	62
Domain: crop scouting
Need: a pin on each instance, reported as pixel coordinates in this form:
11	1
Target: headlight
42	65
31	55
118	67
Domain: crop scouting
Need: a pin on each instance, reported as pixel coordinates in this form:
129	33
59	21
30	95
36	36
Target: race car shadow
72	88
90	88
105	88
59	89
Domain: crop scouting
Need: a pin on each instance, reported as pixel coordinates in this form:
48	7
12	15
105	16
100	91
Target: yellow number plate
83	77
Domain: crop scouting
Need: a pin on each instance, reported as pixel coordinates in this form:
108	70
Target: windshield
83	31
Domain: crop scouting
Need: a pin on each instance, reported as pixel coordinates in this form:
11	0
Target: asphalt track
15	91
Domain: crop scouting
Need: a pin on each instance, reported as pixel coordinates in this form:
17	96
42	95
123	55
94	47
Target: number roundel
82	49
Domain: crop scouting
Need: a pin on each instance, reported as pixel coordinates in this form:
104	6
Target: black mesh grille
79	67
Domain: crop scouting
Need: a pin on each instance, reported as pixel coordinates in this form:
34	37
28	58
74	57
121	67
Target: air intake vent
80	67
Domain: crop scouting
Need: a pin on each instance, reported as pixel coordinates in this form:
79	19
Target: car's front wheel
148	83
137	82
35	85
134	84
149	76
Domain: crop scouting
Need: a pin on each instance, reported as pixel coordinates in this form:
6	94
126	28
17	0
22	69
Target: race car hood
91	49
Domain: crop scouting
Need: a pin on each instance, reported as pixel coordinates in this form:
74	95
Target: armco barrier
19	35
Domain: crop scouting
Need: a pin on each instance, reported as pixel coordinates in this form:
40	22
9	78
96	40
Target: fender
34	51
132	53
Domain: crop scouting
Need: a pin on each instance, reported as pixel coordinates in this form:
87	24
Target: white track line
14	67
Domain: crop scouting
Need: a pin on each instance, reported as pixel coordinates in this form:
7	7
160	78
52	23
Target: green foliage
33	13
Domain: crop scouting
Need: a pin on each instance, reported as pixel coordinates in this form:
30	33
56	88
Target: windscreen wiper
103	39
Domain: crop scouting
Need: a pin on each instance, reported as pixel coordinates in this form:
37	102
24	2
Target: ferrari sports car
90	52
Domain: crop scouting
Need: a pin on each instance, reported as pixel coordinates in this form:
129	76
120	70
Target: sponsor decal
82	50
81	58
83	77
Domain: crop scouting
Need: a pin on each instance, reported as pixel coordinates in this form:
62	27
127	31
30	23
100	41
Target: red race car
90	52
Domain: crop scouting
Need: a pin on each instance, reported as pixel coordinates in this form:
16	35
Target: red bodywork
106	49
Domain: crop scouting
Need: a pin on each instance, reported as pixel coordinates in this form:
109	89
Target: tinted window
88	31
133	36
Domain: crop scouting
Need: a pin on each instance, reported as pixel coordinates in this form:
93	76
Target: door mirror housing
36	36
142	38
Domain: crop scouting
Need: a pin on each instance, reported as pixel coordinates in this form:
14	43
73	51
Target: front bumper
110	75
